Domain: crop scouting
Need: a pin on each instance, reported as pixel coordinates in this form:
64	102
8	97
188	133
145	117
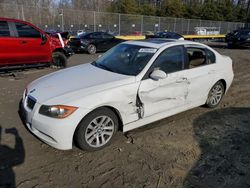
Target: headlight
57	111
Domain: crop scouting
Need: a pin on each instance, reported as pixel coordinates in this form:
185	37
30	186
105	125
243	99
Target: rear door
7	40
201	72
28	46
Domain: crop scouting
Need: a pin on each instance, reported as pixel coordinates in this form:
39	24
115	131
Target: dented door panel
162	95
201	81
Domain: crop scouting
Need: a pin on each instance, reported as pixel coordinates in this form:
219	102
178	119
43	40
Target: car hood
84	80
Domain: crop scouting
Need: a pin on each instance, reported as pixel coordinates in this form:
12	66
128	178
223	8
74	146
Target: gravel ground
197	148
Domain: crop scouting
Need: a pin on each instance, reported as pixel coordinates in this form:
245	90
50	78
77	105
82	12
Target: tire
59	60
91	134
91	49
215	95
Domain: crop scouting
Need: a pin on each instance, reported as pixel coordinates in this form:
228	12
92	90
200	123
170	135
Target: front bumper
79	48
57	133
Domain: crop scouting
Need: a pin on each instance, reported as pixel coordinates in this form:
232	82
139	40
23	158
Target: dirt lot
198	148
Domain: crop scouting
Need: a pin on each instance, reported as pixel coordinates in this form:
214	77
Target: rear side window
107	36
25	30
196	57
210	57
4	29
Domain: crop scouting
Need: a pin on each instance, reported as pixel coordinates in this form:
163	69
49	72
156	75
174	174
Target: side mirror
158	75
44	38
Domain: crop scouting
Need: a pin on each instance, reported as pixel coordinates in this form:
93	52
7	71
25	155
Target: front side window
25	30
170	60
125	59
4	29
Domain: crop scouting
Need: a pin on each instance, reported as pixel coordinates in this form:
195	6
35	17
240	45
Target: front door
28	46
6	44
169	93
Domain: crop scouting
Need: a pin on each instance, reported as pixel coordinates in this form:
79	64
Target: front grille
31	102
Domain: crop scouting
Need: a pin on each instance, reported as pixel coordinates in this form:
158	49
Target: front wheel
59	60
96	130
215	95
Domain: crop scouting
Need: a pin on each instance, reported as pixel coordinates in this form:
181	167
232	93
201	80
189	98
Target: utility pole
62	20
248	7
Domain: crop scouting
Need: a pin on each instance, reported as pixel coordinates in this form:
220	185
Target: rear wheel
215	95
59	60
96	130
91	49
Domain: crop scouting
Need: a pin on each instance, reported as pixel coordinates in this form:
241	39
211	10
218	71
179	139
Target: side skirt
159	116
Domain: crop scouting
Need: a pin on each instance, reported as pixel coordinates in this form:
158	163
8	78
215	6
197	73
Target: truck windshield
125	59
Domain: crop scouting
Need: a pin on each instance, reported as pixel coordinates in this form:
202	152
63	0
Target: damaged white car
131	85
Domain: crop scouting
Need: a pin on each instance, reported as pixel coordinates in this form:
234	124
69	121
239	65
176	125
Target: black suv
238	38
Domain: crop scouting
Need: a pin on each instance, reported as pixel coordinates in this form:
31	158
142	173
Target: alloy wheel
99	131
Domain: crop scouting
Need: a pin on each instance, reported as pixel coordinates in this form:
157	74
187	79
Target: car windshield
125	59
83	35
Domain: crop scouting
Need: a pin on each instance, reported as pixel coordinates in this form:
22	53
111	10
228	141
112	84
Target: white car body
89	87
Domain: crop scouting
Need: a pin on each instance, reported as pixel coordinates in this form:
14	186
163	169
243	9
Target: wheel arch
59	50
224	83
113	109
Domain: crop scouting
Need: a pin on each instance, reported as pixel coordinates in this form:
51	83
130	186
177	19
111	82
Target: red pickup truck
23	44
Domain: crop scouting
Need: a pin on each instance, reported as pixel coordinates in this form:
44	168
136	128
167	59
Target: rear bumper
68	51
245	44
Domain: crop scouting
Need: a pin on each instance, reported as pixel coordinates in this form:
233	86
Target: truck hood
82	80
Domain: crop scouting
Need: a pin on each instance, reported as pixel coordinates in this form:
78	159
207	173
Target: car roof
20	21
13	20
158	43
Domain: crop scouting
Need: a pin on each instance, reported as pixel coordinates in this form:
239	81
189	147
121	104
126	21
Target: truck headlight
57	111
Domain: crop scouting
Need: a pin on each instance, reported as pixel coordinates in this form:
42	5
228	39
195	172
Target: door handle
23	42
181	80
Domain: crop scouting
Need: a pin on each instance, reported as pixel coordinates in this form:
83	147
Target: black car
239	38
93	42
165	34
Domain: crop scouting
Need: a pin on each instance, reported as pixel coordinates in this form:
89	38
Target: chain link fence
118	24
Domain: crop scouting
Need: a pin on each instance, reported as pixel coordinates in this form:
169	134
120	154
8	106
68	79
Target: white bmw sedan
133	84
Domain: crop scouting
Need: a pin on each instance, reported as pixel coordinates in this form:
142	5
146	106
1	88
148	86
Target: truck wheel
96	130
59	60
